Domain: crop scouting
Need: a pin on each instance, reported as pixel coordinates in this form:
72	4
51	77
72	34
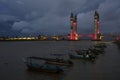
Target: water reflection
106	66
32	75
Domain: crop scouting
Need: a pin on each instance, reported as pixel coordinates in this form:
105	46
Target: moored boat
83	54
37	64
60	62
56	61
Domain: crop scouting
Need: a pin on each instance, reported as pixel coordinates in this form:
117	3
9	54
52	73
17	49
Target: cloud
109	16
52	16
86	22
4	18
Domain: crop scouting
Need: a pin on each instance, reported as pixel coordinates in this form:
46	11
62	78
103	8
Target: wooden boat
100	45
61	62
56	61
85	57
83	54
96	51
35	63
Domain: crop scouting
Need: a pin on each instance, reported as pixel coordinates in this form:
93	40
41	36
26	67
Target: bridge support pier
97	35
73	22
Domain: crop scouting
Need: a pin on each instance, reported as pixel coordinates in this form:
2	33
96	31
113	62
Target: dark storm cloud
110	18
52	16
65	7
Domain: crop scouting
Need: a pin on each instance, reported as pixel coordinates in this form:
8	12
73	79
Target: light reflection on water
106	66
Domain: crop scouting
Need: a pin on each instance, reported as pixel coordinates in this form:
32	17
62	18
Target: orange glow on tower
97	33
73	22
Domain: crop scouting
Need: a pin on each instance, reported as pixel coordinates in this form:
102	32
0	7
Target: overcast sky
53	16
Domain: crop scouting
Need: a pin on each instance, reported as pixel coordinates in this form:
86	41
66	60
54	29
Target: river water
12	67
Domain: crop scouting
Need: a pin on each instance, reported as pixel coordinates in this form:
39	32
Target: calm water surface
12	67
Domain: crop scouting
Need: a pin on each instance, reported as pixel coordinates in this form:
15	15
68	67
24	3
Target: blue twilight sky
28	17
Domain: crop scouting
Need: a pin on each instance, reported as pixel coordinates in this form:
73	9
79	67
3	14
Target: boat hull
38	64
56	61
43	69
76	56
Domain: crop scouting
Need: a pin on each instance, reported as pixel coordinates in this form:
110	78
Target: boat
100	45
56	61
96	50
35	63
60	62
84	57
83	54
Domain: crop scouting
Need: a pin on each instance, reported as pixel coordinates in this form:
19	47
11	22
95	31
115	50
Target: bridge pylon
97	34
73	24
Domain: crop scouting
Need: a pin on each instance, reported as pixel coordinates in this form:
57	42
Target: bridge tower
97	34
73	24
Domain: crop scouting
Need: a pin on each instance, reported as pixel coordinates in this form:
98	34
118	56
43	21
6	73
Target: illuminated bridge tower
73	23
97	34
